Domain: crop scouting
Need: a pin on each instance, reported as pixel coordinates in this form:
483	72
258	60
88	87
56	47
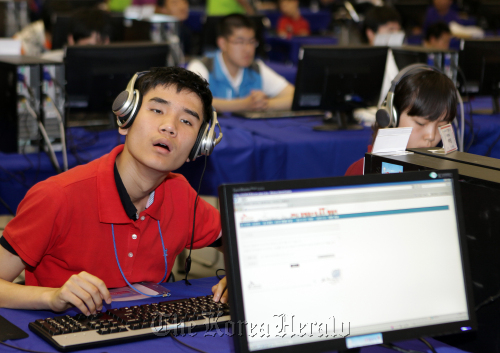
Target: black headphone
387	116
128	103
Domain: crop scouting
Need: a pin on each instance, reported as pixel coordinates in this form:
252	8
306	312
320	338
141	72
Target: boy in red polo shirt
122	217
291	23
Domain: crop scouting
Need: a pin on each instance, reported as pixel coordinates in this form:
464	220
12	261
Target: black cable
217	273
187	265
470	108
398	349
19	348
184	344
490	299
433	350
7	207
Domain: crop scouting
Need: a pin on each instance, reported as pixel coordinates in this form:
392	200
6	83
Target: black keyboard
67	333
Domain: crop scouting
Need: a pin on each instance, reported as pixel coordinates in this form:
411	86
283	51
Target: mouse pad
9	331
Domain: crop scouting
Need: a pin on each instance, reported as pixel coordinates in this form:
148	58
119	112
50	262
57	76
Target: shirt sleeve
197	67
40	217
272	83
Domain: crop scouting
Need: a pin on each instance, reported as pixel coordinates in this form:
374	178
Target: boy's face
239	47
442	5
389	27
289	8
443	42
165	128
177	8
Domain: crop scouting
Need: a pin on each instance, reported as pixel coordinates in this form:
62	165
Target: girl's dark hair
428	94
182	79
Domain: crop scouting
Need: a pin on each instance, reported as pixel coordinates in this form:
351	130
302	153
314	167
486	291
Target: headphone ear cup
197	145
128	119
383	117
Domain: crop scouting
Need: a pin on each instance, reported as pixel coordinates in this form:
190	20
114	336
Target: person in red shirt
291	23
423	101
122	218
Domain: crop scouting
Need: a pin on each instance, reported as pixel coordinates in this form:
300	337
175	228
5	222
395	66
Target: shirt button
134	236
142	219
130	254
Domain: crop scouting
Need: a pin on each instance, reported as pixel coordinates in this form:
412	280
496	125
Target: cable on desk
433	350
398	349
489	300
7	207
184	344
21	349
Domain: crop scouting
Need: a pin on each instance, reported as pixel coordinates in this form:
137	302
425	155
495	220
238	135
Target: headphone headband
387	116
128	103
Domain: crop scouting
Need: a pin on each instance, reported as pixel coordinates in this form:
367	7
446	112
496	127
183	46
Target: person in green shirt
227	7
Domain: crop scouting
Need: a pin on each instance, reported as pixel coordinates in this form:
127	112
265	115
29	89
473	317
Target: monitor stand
338	121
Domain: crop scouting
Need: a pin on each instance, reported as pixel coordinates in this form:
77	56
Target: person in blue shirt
237	80
441	11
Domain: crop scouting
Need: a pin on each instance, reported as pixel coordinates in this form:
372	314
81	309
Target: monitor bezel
231	258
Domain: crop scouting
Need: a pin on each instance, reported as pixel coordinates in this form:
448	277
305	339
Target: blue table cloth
211	341
251	150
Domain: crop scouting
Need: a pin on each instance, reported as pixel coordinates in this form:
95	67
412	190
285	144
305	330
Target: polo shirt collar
110	206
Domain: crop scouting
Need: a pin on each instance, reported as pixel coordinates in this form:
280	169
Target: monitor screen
96	74
327	264
480	61
337	78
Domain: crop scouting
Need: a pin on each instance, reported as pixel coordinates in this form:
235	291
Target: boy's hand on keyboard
84	291
220	291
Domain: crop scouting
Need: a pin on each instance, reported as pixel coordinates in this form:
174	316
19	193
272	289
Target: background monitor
96	74
328	264
339	79
480	61
444	60
488	12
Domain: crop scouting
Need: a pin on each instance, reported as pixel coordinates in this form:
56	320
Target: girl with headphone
421	97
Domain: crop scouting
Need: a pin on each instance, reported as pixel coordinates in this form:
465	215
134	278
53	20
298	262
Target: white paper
392	140
448	138
394	39
10	46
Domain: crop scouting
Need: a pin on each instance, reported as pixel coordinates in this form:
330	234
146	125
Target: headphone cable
187	265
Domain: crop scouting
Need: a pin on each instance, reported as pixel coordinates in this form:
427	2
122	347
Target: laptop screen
348	261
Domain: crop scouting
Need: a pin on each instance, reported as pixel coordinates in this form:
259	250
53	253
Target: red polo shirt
63	227
358	167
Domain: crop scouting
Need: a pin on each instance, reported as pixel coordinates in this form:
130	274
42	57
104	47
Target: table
251	150
212	341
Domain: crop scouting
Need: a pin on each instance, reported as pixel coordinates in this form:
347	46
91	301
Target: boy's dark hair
182	79
231	22
427	94
436	30
380	15
84	21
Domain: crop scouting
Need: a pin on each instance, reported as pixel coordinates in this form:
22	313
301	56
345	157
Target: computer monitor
339	79
444	60
211	31
61	27
96	74
488	12
480	61
328	264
